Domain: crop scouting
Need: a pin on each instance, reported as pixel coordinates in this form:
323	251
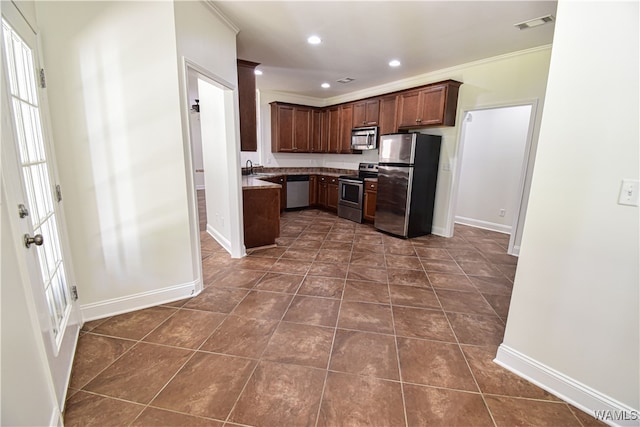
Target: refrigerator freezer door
393	199
397	148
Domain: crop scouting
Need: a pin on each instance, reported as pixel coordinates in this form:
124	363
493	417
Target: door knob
37	240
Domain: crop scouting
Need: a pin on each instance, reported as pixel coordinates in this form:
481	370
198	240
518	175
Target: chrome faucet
249	165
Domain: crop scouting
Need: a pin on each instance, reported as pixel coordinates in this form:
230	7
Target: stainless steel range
351	191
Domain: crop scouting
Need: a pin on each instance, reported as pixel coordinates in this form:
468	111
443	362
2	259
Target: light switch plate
629	192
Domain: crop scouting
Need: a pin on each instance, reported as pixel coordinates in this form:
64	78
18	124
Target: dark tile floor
337	325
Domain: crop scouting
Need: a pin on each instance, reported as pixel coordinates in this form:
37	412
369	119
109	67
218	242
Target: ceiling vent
536	22
345	80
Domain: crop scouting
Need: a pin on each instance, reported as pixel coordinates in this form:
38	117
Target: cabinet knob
418	120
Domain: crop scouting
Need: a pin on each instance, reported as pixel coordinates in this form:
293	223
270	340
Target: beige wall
575	300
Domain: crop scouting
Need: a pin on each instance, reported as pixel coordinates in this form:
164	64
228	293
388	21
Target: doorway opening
212	156
494	151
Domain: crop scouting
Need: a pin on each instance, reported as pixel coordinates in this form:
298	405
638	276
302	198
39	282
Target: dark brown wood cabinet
301	129
332	130
317	132
332	193
282	180
346	124
433	105
291	128
282	117
387	115
322	191
313	190
304	129
261	216
366	113
247	105
370	196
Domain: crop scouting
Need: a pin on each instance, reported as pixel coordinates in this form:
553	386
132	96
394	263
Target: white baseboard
112	307
486	225
516	251
56	418
439	231
224	242
566	388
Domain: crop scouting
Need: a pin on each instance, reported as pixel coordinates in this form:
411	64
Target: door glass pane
35	173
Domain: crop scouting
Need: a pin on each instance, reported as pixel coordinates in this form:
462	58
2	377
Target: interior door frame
527	163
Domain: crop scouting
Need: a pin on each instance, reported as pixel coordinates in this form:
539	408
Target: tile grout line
335	332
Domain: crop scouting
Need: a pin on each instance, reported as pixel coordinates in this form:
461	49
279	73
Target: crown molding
454	72
211	5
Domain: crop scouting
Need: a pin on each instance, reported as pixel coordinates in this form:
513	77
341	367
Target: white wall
493	148
507	79
112	79
207	42
575	300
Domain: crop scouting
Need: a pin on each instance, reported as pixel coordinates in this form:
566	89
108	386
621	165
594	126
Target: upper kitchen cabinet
346	124
332	130
294	128
247	105
317	131
387	116
282	116
433	105
366	113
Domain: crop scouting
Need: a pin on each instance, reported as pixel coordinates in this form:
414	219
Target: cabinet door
408	109
313	190
432	102
372	108
370	196
332	196
346	122
282	122
322	191
387	116
282	180
333	130
359	114
301	129
366	113
247	105
317	130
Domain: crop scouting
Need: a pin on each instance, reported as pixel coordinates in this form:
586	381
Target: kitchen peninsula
264	196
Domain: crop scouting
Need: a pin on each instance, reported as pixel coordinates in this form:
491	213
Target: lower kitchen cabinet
282	180
370	197
322	191
313	190
261	216
332	194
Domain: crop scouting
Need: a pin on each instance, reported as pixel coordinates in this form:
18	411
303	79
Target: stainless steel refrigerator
407	177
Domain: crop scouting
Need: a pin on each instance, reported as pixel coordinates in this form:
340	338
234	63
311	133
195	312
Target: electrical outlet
502	212
629	192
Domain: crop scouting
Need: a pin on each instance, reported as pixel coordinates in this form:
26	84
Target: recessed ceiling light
257	72
536	22
314	40
325	85
394	63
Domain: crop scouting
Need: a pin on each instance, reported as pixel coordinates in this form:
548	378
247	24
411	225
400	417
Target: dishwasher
297	191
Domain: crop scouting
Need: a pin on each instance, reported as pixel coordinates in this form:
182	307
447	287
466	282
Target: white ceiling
359	38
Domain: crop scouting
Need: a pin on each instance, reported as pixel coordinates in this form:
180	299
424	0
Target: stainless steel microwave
365	138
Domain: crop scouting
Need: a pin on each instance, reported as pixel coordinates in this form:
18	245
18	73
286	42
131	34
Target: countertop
258	182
